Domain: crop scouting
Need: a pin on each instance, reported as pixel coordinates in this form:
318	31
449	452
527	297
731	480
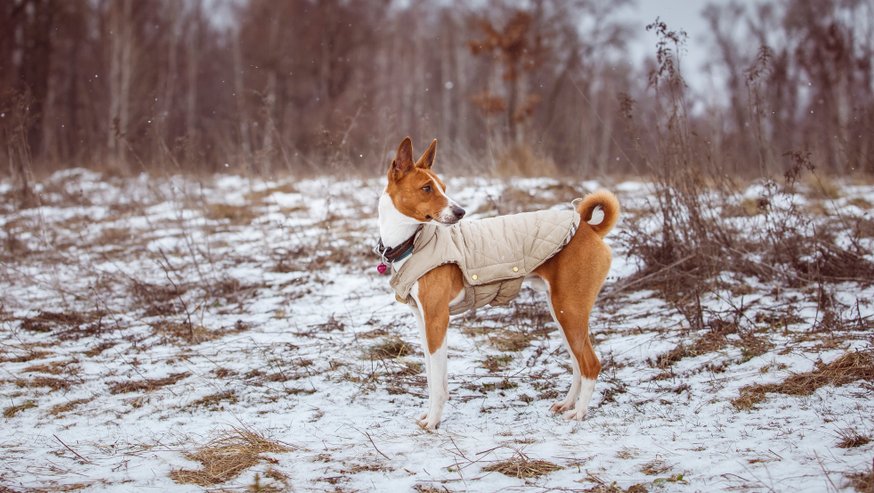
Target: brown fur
574	275
407	182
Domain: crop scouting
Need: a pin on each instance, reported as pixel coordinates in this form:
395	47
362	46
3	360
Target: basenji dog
572	277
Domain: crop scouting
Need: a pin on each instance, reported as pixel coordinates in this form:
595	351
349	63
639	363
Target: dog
480	265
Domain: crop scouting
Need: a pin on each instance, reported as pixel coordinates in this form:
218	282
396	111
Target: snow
304	287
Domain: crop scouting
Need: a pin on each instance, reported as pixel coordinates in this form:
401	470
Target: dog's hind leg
574	391
574	277
574	321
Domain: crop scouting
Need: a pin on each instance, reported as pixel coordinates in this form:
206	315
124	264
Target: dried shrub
226	457
846	369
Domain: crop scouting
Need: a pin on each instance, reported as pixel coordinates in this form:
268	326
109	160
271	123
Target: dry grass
225	457
216	401
863	481
497	363
184	333
850	438
520	466
53	368
614	488
23	358
390	348
46	321
655	467
234	214
510	340
848	368
147	385
17	408
98	349
49	382
66	407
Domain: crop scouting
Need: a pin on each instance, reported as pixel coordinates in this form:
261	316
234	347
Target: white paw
561	406
575	414
427	423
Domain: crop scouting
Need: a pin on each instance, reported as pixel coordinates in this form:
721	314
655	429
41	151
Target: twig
374	445
70	449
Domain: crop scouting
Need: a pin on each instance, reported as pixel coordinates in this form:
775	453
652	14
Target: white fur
579	411
597	216
435	370
574	392
394	226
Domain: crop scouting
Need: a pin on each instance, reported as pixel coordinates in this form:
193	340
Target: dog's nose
458	212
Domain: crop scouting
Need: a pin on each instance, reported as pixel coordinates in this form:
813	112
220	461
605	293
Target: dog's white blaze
597	216
446	214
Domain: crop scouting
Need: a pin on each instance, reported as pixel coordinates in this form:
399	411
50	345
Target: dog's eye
426	189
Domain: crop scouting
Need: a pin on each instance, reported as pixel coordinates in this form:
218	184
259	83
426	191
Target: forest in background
509	87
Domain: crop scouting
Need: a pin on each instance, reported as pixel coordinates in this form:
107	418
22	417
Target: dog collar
397	253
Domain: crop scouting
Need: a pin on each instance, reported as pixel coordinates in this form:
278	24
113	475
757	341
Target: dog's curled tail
600	210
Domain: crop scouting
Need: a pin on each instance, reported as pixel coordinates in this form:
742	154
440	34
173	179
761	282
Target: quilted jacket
494	254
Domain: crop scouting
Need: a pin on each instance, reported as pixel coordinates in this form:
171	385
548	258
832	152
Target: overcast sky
678	15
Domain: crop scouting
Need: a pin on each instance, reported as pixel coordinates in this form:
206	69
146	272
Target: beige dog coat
494	254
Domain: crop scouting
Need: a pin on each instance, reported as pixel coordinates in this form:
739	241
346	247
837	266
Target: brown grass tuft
183	332
655	467
225	457
66	407
235	214
46	321
863	481
390	348
510	340
850	438
522	467
23	358
17	408
147	385
214	402
850	367
50	382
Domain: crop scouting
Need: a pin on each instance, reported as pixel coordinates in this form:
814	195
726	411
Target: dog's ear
403	161
427	158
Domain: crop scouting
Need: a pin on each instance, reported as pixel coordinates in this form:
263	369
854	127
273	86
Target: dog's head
416	191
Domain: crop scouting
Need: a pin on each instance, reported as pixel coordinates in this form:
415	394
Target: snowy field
233	335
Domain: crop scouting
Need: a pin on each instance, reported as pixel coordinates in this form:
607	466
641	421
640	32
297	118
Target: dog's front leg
433	321
420	322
